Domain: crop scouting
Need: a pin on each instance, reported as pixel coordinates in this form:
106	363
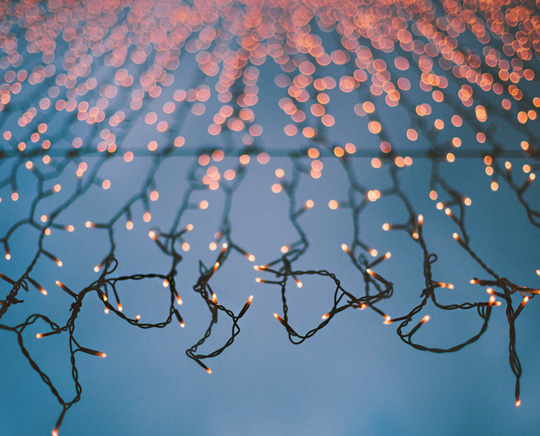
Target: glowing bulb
345	248
39	335
325	316
520	307
277	188
251	258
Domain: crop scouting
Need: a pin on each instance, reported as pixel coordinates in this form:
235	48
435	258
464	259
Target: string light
379	68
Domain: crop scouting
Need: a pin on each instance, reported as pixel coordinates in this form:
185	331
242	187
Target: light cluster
78	78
